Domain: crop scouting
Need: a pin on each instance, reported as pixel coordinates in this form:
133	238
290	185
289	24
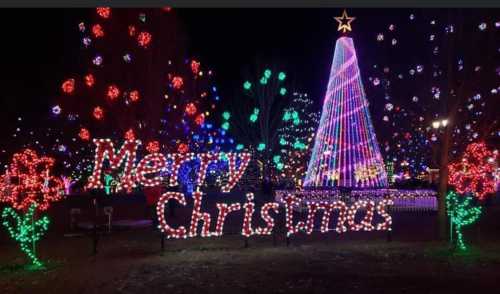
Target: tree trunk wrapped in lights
296	135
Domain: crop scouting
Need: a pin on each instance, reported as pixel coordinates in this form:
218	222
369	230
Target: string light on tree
299	123
156	85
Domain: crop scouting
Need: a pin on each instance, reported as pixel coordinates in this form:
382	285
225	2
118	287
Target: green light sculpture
281	76
461	213
25	230
267	73
226	115
255	115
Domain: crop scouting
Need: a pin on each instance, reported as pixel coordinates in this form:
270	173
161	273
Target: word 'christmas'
345	221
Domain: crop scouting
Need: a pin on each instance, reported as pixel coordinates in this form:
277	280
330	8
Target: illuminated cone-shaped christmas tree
346	152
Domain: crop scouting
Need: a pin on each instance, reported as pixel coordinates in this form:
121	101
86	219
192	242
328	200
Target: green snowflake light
281	76
267	73
299	145
255	115
276	159
287	116
263	81
295	117
280	166
226	115
462	213
225	125
239	147
282	141
247	85
261	146
223	156
25	230
282	91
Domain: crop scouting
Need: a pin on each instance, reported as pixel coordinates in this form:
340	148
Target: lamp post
442	126
440	123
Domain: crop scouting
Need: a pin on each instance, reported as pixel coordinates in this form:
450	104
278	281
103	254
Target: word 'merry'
144	173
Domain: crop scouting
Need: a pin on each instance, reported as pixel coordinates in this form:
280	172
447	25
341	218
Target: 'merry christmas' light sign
146	173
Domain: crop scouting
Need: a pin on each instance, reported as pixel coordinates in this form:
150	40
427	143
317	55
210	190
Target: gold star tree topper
344	22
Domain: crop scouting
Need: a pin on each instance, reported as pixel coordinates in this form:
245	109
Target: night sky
41	47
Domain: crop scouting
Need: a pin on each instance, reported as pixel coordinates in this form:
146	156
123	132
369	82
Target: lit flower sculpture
462	213
474	172
28	187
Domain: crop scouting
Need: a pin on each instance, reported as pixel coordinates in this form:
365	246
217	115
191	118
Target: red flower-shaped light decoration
190	109
134	96
144	39
195	67
130	135
131	30
153	147
473	173
84	134
183	148
104	12
113	92
97	31
27	181
98	113
177	82
68	86
200	119
89	80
